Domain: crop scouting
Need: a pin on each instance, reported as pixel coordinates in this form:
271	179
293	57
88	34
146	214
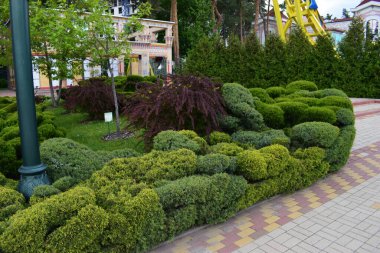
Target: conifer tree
252	62
274	69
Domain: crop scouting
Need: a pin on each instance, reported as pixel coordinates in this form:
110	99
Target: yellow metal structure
304	13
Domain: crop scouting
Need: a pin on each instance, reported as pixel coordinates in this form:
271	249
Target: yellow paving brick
272	219
213	232
217	238
294	208
245	225
347	187
244	241
272	227
330	191
268	214
309	194
332	196
246	232
216	247
376	206
313	199
181	250
291	203
295	215
315	204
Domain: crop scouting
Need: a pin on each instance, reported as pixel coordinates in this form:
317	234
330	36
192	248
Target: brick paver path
338	214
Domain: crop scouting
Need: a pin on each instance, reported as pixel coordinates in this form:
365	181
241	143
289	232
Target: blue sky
335	7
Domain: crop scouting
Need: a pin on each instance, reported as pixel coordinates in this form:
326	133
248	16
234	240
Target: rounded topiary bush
301	85
292	112
42	192
262	95
234	93
172	140
307	100
230	149
329	92
64	183
252	165
261	139
276	157
212	164
8	159
276	91
319	114
345	117
229	123
343	102
10	202
218	137
273	115
311	134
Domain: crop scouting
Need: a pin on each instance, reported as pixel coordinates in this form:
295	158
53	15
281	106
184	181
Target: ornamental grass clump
183	102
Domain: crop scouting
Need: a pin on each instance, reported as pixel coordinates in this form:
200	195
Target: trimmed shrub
292	112
229	149
10	133
339	152
276	91
79	232
64	157
343	102
273	115
48	131
301	85
64	183
319	114
194	136
262	95
252	165
219	137
257	192
307	100
234	93
311	134
229	123
10	202
345	117
215	197
261	139
8	160
178	221
329	92
276	157
27	229
212	164
172	140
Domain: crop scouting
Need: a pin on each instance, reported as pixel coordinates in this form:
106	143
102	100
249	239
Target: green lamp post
32	170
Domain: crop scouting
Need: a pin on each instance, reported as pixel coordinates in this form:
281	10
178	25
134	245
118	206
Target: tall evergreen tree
274	69
252	62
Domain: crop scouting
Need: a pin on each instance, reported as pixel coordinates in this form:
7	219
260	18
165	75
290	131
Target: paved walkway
338	214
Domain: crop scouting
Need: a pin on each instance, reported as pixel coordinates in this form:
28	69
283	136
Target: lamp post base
31	177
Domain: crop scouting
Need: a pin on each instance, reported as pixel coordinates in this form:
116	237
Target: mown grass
90	133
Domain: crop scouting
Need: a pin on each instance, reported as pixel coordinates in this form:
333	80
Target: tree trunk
267	25
241	20
217	16
257	14
59	92
174	18
116	103
49	75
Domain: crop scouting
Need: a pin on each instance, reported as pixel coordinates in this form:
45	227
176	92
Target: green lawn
91	133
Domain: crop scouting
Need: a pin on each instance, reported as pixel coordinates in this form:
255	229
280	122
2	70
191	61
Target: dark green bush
292	112
8	183
10	133
218	137
276	91
64	157
8	160
27	229
343	102
307	100
273	115
345	117
3	83
311	134
252	165
329	92
64	183
261	139
262	95
301	85
42	192
212	164
319	114
229	123
339	152
215	197
180	220
10	202
79	232
194	137
48	131
135	78
229	149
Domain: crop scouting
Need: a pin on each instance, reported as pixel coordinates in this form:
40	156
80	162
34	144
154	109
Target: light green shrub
276	157
301	85
212	164
172	140
319	114
292	112
262	95
329	92
10	202
342	102
64	183
276	91
311	134
252	165
230	149
42	192
261	139
273	115
218	137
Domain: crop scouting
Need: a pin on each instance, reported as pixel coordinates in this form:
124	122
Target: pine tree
274	69
252	63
